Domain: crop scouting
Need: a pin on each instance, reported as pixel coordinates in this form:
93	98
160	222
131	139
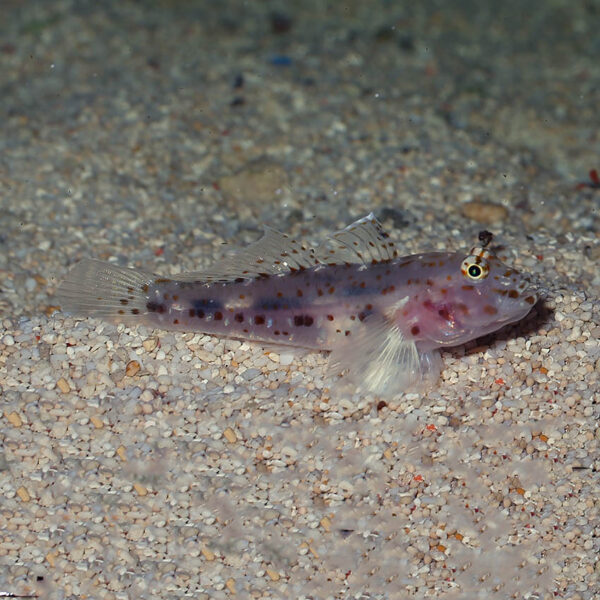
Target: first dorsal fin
362	242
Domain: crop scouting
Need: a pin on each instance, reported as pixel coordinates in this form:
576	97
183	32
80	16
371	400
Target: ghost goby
383	316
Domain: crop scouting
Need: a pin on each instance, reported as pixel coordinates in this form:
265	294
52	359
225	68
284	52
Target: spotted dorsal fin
362	242
274	254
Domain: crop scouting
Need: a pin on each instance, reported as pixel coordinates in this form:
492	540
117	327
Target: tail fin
94	288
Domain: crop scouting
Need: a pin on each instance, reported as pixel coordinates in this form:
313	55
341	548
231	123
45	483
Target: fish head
472	296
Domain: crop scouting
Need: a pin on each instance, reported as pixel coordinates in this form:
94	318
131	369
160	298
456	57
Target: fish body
382	315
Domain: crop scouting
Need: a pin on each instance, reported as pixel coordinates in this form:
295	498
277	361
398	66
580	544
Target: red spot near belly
444	313
415	330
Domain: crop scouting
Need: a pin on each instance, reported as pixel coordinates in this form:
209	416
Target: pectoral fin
380	360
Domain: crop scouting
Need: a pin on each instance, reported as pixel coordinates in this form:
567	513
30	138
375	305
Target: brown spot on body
303	320
299	293
239	317
490	310
135	311
259	320
218	315
429	282
467	288
155	307
415	330
319	292
175	297
192	312
121	311
449	277
145	288
175	321
530	300
123	301
200	313
513	294
330	317
331	290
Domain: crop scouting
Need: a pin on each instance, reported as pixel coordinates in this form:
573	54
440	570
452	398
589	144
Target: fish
383	317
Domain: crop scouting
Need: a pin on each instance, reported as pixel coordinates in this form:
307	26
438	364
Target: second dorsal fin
274	254
362	242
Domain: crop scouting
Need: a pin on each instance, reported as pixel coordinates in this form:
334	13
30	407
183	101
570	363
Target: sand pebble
484	212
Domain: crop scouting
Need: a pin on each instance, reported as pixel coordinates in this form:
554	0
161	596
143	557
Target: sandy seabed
144	464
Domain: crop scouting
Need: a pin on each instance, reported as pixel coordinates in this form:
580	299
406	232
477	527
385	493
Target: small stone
97	422
274	575
255	186
23	494
208	554
140	489
63	386
8	340
326	524
146	396
14	419
484	212
132	368
150	344
122	453
230	585
230	435
286	358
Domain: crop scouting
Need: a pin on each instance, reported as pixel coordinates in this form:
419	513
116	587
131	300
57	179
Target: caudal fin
94	288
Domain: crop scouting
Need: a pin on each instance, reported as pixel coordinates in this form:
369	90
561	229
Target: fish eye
474	268
474	271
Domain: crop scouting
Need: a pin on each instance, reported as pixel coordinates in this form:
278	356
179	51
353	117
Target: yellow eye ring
474	268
